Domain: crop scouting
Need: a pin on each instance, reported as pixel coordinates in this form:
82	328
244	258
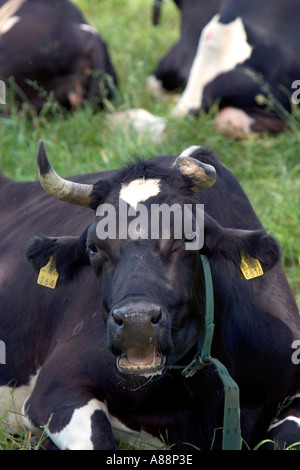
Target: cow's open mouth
141	362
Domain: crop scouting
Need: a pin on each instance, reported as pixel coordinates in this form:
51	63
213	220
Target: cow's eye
93	250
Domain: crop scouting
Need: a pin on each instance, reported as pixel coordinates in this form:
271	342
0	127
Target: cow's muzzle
136	330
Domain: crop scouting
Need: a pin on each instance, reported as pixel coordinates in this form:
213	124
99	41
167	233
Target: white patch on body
221	48
11	402
88	28
77	435
9	24
8	17
291	418
139	190
78	432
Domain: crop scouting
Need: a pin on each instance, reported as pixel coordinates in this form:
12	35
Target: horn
202	174
64	190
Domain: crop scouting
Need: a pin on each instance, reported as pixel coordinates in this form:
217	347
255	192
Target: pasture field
267	167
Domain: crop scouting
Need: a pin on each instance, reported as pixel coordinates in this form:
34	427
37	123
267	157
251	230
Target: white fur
88	28
9	24
78	432
139	190
77	435
288	418
221	47
8	17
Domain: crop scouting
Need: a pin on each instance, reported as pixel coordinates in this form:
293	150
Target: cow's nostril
156	317
117	318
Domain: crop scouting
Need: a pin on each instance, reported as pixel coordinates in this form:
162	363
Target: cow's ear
229	246
69	254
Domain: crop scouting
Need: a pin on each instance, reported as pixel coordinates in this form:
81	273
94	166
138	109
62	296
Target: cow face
149	290
151	283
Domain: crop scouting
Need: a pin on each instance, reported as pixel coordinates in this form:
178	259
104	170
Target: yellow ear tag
48	275
250	267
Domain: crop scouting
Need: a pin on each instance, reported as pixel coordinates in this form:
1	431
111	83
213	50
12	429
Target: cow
49	49
102	313
239	54
173	69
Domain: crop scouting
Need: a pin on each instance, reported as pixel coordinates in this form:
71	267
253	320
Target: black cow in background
242	54
48	47
102	351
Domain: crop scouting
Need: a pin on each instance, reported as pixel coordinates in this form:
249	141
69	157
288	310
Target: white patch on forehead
11	401
139	190
8	17
221	48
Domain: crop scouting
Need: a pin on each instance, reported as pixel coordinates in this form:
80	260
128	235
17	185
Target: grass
82	142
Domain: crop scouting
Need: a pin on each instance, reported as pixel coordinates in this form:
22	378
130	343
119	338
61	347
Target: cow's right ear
230	246
69	254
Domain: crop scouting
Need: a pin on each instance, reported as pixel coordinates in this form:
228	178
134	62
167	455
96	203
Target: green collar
231	420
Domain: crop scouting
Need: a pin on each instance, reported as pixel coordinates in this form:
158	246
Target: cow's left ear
228	246
68	253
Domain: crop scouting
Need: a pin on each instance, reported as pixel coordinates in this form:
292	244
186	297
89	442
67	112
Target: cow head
151	283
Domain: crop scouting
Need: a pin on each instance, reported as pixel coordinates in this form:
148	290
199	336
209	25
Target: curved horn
202	174
64	190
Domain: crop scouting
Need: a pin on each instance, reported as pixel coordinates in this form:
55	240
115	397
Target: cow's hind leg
284	431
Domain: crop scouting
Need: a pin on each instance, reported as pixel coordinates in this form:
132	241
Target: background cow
239	53
48	47
173	70
95	352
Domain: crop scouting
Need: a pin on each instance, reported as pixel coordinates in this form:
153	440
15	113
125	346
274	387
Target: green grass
82	142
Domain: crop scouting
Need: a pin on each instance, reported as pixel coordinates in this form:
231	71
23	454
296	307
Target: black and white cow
95	354
173	70
48	47
239	53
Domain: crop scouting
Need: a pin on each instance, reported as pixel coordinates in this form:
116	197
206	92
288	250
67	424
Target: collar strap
231	420
203	356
